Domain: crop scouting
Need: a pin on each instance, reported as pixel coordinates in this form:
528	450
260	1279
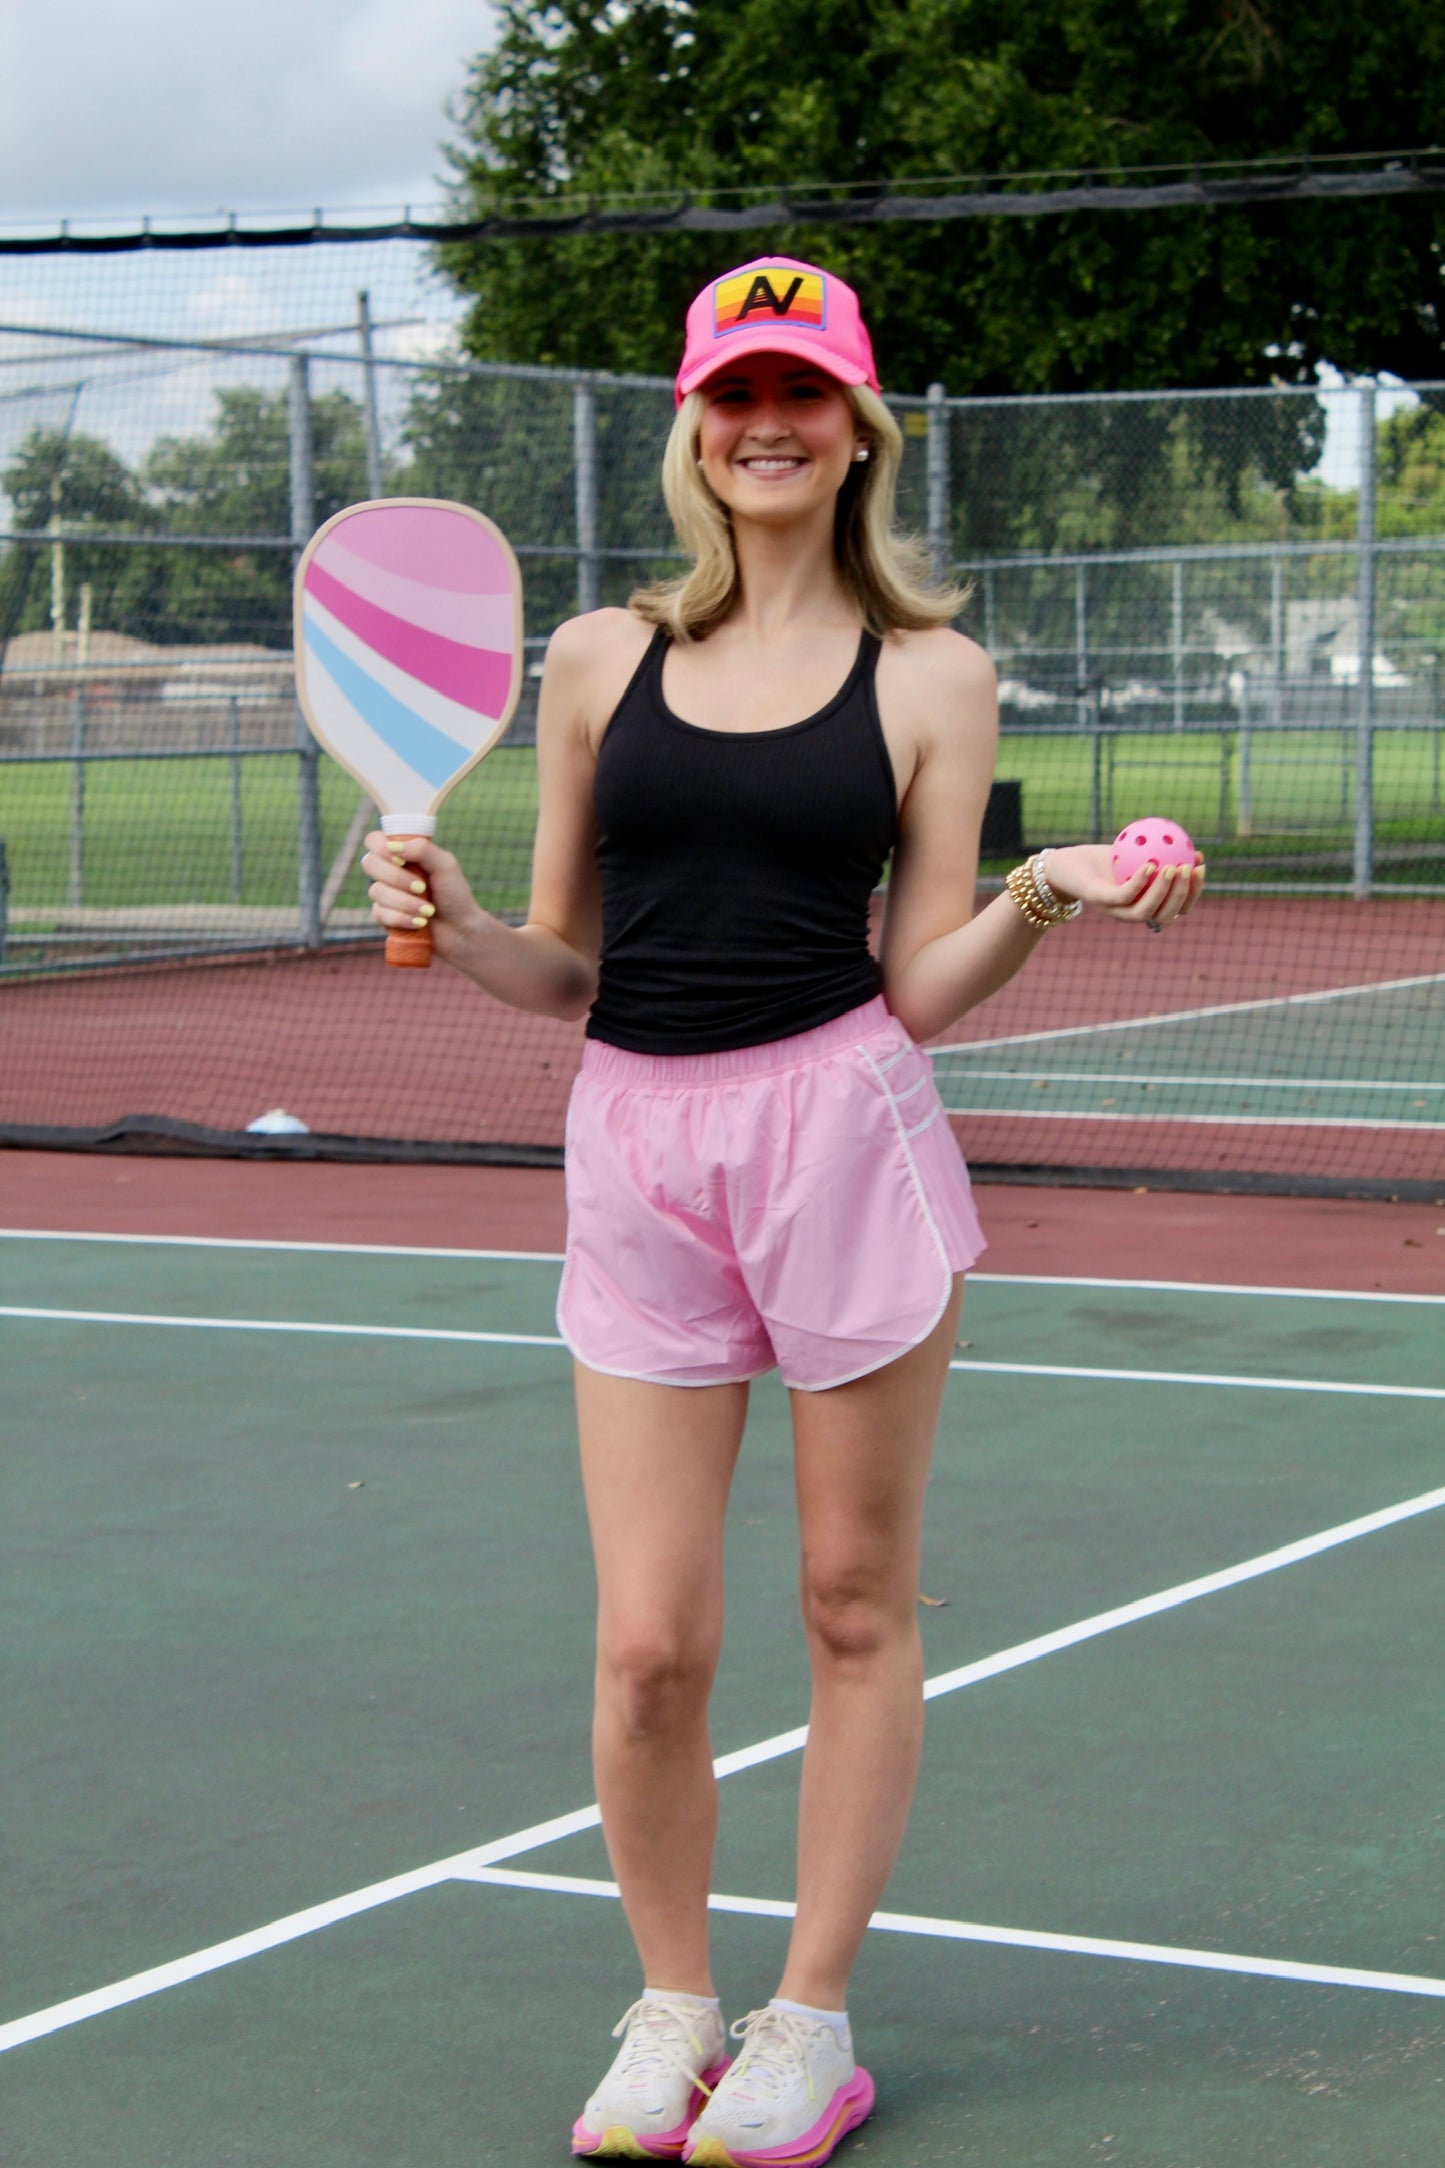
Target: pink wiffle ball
1165	842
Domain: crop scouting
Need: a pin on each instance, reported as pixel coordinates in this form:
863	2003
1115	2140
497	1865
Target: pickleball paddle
408	631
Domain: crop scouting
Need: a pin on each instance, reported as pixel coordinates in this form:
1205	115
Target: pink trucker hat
776	305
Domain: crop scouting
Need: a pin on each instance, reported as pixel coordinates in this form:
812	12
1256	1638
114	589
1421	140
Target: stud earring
861	453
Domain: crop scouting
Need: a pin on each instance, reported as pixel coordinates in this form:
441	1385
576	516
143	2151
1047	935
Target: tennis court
305	1864
1350	1062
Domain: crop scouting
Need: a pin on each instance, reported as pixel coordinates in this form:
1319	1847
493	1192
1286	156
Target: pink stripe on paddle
478	678
429	544
477	620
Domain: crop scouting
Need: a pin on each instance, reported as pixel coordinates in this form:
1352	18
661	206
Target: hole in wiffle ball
1141	839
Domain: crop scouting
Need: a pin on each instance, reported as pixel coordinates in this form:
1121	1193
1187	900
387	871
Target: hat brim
766	340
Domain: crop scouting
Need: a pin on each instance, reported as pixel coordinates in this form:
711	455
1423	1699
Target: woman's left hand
1154	896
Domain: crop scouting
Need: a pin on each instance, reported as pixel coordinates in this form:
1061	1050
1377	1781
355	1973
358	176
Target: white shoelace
655	2043
775	2052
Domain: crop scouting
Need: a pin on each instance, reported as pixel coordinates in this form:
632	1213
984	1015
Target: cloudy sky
114	107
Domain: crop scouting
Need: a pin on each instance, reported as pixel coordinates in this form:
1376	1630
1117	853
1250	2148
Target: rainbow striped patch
771	294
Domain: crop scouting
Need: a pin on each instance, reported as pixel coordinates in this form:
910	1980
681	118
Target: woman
758	1169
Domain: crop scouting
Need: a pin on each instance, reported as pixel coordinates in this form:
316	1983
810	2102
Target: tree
667	95
233	482
507	444
83	482
237	482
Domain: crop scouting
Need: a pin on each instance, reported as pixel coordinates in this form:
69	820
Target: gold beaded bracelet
1040	906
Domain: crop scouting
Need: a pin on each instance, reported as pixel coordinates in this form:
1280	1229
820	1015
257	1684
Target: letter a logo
795	300
761	295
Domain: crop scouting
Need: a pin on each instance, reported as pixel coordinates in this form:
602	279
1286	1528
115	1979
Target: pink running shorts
801	1203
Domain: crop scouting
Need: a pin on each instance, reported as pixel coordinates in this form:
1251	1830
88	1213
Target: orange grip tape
409	946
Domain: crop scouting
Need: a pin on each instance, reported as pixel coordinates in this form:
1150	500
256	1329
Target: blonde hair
887	574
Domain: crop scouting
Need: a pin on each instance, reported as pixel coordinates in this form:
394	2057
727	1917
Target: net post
584	455
375	480
308	752
1364	842
939	482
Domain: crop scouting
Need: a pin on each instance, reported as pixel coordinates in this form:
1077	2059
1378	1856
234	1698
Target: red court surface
1247	1241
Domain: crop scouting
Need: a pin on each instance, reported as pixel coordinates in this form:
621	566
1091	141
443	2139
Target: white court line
1187	1016
537	1339
227	1242
282	1324
1024	1938
290	1929
1138	1115
463	1865
1195	1083
1203	1377
1191	1287
555	1257
1169	1599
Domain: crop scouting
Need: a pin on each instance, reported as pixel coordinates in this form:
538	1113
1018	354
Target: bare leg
862	1454
657	1463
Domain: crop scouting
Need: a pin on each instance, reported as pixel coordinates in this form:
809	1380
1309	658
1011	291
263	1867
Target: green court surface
302	1866
1361	1057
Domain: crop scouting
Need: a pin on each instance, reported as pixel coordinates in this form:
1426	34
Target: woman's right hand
415	882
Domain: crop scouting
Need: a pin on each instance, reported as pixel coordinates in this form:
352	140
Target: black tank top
737	868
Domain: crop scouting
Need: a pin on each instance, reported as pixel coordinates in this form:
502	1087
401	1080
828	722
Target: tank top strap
648	680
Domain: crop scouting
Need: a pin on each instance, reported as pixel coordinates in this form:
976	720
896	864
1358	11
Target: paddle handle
409	947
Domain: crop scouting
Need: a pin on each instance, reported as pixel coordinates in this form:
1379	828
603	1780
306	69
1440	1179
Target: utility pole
375	483
308	752
57	577
938	484
584	470
1364	848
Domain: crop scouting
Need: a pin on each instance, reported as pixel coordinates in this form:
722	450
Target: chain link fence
1231	604
1227	607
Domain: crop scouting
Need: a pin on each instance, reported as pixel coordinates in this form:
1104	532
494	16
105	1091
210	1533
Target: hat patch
777	295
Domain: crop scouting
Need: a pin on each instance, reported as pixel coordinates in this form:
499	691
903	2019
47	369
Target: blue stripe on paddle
429	752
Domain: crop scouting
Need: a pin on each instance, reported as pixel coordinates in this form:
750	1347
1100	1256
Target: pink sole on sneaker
617	2142
851	2105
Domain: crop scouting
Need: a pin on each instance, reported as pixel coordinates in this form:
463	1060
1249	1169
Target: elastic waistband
618	1065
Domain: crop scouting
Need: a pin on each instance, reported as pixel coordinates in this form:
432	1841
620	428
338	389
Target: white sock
697	2002
837	2019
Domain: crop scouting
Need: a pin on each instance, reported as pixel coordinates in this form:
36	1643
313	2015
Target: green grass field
160	832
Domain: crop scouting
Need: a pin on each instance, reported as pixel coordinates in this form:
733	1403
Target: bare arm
549	964
939	960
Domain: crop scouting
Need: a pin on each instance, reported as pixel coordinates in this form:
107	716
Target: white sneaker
790	2094
673	2051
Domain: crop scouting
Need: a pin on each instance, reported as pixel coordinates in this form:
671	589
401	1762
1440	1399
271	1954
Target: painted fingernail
428	910
418	921
418	888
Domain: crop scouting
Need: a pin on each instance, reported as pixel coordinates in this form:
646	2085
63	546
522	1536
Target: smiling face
777	438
